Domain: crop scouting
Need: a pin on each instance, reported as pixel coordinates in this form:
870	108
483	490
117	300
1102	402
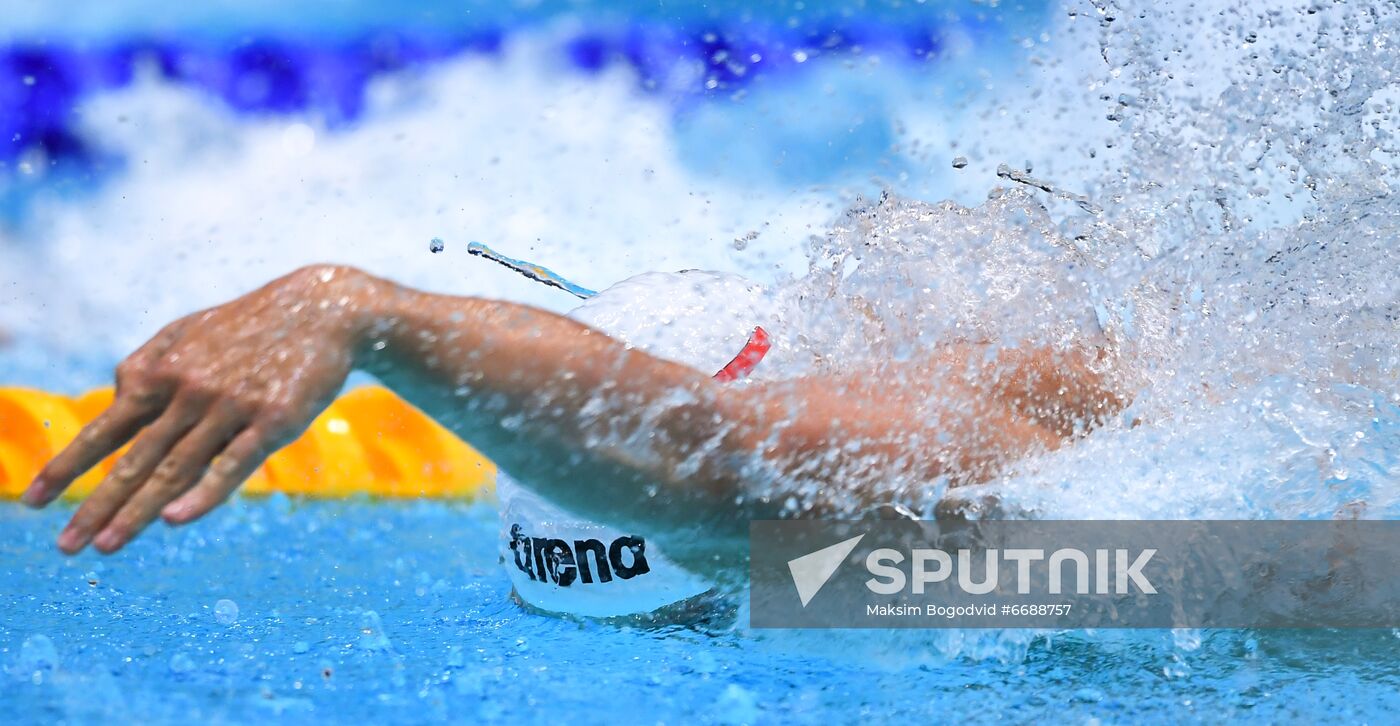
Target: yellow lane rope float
368	442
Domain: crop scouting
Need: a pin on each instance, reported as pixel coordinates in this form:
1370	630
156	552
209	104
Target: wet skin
610	432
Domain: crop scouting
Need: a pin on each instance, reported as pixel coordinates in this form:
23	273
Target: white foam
576	173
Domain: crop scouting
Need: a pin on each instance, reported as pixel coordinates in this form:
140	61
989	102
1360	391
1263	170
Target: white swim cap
697	318
561	563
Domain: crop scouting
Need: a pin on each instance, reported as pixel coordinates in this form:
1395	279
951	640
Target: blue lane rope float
531	270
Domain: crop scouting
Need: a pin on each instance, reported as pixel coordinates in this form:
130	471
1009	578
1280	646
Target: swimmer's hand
206	401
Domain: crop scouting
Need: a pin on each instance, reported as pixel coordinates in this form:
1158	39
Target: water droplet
737	705
1187	639
372	635
436	246
1088	695
960	162
181	664
37	654
226	612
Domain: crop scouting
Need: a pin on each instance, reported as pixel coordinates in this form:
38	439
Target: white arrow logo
810	572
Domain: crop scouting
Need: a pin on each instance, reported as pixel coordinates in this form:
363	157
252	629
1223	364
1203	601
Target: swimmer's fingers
140	399
175	474
105	434
131	471
228	470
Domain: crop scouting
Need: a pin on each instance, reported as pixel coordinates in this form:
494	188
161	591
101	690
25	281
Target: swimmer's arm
610	432
620	436
600	428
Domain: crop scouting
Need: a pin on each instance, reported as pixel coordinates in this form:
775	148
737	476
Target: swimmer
609	432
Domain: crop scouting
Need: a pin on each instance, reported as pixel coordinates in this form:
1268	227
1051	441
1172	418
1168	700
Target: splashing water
1240	249
1238	246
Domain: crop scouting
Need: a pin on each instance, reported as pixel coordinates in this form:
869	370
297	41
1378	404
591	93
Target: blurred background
160	157
156	158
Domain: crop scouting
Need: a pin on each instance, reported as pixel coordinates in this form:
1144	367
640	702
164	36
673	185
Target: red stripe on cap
748	358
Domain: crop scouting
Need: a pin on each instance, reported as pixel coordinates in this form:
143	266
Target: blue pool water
1237	161
401	613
